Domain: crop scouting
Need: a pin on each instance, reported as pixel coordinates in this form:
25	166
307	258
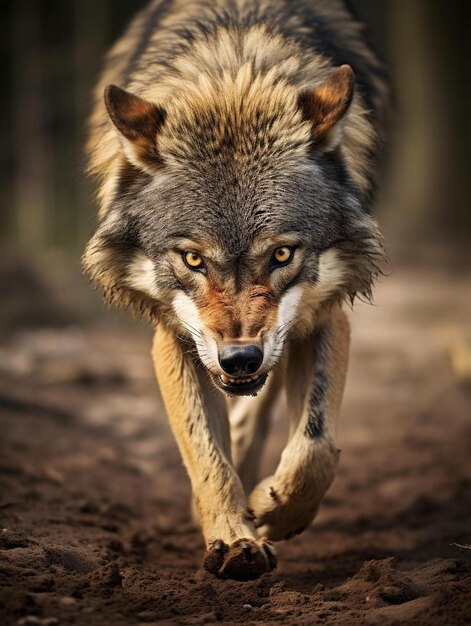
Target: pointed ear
139	122
325	106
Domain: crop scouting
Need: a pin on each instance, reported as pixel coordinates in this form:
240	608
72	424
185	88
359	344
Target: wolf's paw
245	559
279	516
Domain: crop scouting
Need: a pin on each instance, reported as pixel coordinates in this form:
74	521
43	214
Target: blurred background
51	54
90	477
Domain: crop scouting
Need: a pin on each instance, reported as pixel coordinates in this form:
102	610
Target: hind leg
250	419
285	503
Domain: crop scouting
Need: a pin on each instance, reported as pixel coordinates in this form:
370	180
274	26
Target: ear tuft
138	121
325	106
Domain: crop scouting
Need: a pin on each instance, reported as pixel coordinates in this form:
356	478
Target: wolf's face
230	226
238	307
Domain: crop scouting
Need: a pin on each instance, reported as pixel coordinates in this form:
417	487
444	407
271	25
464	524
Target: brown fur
326	105
139	121
241	316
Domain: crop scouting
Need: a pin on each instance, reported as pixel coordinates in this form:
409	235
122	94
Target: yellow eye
193	260
282	255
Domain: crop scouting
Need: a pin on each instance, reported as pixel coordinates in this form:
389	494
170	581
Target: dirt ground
94	501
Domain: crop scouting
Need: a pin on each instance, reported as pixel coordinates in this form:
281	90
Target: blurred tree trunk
31	150
91	38
429	183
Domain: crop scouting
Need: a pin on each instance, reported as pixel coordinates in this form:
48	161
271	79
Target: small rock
68	601
279	611
147	616
248	607
10	539
53	474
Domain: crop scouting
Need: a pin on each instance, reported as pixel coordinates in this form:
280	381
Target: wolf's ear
138	122
325	106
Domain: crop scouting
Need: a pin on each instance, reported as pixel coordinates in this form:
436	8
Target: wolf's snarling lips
243	386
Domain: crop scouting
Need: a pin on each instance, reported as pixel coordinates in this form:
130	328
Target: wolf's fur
242	129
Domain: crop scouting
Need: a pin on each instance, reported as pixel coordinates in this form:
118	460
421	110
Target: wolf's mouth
249	385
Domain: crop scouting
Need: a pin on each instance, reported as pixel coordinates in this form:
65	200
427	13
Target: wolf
236	145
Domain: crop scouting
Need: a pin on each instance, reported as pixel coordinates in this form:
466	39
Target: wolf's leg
285	503
249	418
198	417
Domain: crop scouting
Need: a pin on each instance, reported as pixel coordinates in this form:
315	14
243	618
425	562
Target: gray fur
254	183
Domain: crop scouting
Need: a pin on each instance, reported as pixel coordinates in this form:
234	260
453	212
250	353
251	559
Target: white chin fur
287	311
187	312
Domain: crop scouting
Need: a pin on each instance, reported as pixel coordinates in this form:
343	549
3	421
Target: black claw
250	513
246	548
214	556
271	557
219	546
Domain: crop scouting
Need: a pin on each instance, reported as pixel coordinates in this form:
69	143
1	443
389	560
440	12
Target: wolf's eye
193	260
282	256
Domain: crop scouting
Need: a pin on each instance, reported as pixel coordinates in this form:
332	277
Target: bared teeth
238	381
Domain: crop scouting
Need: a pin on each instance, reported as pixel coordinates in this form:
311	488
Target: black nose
240	359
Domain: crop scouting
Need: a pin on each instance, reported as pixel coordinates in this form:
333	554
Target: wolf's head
236	216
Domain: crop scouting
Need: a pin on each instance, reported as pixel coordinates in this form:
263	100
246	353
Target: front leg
285	503
249	418
198	417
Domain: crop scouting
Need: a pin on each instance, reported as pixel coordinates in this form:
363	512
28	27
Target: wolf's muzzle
240	360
